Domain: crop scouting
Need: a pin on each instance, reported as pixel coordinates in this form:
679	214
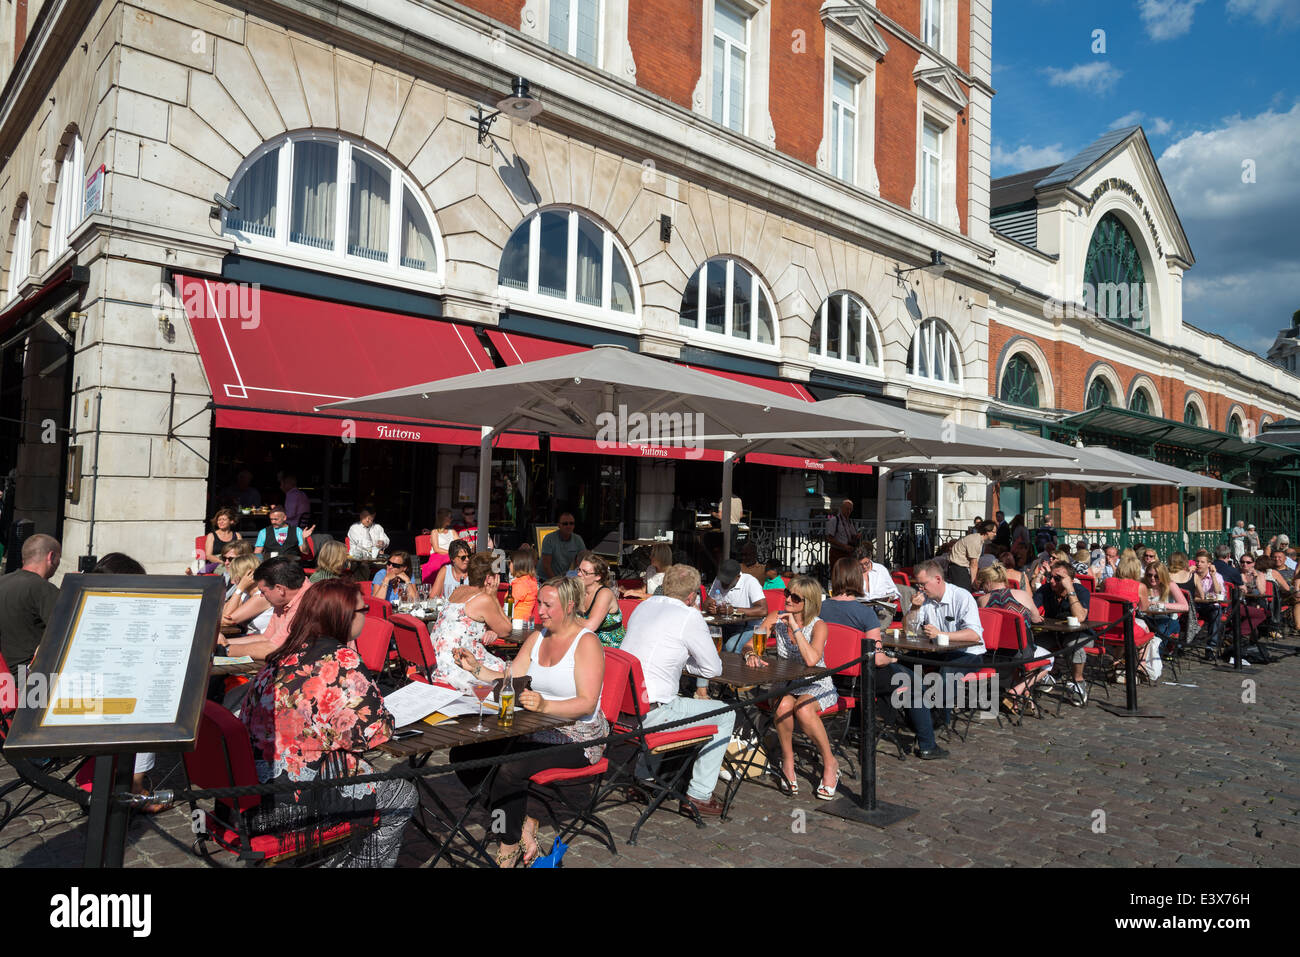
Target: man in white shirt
367	537
1238	540
878	584
744	593
939	608
666	634
841	533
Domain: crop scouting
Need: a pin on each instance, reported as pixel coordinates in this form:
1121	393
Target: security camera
224	203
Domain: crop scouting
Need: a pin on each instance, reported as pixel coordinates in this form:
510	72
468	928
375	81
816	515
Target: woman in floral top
465	622
312	712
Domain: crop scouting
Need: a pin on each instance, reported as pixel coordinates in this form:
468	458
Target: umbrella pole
882	492
484	484
724	507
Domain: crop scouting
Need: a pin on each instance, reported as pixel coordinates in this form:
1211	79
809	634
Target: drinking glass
760	643
481	690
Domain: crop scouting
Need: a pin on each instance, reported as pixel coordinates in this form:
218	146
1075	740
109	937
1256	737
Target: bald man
27	600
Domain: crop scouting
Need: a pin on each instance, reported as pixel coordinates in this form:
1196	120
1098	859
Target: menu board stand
122	668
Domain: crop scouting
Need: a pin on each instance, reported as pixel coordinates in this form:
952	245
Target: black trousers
509	791
959	575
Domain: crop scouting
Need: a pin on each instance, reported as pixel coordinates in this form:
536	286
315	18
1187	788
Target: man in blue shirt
1221	564
280	537
1062	597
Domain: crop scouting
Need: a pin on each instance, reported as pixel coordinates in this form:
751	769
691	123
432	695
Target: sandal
825	793
789	785
1009	705
506	860
528	843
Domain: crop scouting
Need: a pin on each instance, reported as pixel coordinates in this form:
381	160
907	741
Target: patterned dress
455	629
823	688
611	631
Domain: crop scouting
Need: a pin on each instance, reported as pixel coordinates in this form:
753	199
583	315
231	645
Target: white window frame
846	51
726	337
614	53
840	109
944	116
756	119
932	24
68	199
869	334
571	47
280	246
729	44
569	307
936	338
932	191
20	255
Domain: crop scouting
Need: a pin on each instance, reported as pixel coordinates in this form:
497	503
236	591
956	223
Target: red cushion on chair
678	735
272	847
558	775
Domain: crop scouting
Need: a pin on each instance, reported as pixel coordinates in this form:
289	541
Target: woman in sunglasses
1160	590
801	634
393	582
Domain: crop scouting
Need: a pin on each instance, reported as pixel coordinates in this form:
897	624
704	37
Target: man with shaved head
27	600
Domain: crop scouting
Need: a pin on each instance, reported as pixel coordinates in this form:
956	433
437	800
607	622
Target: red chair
374	642
1087	581
551	783
502	592
901	578
1007	637
377	607
843	644
223	758
626	606
1111	639
423	547
673	751
201	548
630	583
775	600
414	646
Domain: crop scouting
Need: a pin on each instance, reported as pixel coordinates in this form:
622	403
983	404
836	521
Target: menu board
125	661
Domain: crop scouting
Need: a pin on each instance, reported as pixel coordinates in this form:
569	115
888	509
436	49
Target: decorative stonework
941	81
857	23
1124	187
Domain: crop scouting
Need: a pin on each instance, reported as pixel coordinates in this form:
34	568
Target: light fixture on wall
936	267
519	107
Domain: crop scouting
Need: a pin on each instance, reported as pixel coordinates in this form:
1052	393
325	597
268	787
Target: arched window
1192	415
68	199
1019	381
1235	425
731	301
1140	402
1114	285
1099	394
843	330
565	255
935	354
20	255
289	196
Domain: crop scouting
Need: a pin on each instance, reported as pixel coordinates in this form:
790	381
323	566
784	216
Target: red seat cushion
560	775
658	739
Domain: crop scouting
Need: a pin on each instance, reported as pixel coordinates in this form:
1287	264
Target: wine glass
481	690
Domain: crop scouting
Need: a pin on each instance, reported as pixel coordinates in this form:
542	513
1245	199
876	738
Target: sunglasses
227	558
1059	578
359	611
396	565
789	596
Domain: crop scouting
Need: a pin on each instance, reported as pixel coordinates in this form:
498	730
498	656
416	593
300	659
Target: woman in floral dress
312	712
464	623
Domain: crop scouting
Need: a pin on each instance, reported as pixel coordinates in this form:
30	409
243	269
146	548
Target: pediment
941	80
858	23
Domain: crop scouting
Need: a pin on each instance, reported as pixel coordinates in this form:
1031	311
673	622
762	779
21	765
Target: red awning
271	358
516	349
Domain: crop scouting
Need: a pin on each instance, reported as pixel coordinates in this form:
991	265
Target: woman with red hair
311	713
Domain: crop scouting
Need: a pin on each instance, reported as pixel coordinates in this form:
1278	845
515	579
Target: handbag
748	754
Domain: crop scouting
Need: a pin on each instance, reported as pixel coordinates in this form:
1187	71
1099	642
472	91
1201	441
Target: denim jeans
733	642
1168	629
704	777
1213	615
954	662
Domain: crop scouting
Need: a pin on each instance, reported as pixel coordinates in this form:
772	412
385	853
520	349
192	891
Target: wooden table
895	638
442	737
729	621
1054	626
250	668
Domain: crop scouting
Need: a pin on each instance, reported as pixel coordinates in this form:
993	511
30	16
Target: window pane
815	338
514	260
870	356
368	209
766	328
854	344
315	179
842	85
931	141
255	197
846	138
742	302
736	105
690	315
729	21
836	165
715	302
834	326
553	255
922	360
591	247
719	77
558	36
931	210
417	238
620	291
588	29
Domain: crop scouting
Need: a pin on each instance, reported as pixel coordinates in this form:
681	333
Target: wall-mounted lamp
519	107
935	267
665	228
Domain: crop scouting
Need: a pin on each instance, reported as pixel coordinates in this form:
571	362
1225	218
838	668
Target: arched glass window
731	302
935	354
1099	394
1141	402
1019	382
1192	415
563	254
1114	285
288	195
843	330
1234	425
20	255
68	203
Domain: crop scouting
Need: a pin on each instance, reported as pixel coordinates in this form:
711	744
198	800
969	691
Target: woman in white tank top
567	666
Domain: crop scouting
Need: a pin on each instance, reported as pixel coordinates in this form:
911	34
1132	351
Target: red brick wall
665	37
896	130
797	88
509	12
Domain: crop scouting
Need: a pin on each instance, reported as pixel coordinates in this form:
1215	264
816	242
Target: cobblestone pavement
1212	783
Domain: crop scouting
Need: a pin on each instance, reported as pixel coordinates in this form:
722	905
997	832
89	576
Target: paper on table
416	700
463	706
218	660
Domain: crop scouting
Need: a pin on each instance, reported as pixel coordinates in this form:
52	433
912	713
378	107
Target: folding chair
223	758
414	646
423	547
901	578
1087	581
1110	648
671	753
376	606
1007	640
374	643
626	606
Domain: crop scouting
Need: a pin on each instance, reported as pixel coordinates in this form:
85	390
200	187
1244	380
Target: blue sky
1213	83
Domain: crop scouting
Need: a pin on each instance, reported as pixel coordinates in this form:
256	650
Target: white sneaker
1078	694
1046	681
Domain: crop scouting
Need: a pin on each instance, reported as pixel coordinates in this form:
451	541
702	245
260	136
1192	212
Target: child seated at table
523	584
772	579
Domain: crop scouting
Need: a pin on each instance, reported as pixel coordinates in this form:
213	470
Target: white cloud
1285	13
1160	126
1168	19
1128	119
1027	157
1246	281
1097	77
1156	126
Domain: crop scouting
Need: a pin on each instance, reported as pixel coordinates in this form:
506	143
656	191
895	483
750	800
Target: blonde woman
801	635
1000	593
244	603
330	562
566	666
1160	589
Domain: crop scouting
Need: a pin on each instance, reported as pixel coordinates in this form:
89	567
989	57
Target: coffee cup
1072	622
518	623
941	639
